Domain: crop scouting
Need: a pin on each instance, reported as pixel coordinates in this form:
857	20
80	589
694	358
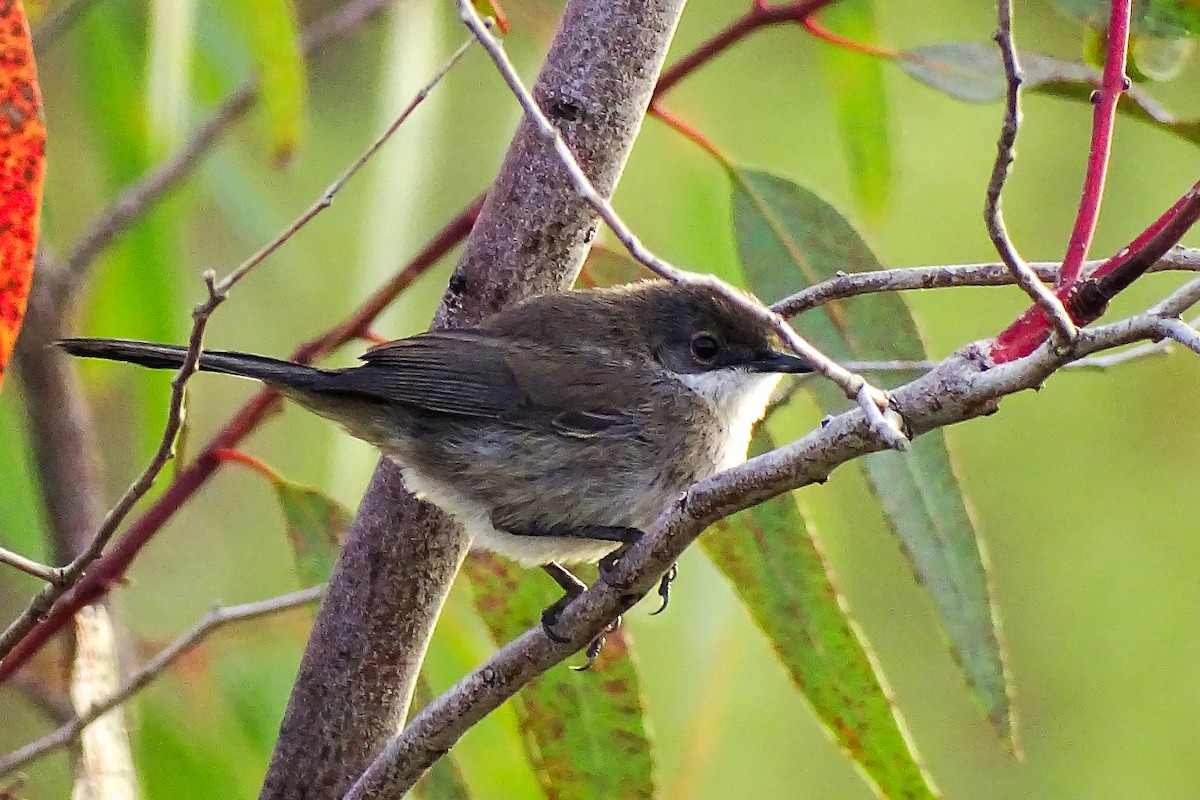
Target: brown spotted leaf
22	165
584	731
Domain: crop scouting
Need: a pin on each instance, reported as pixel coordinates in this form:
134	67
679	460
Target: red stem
1112	85
1032	328
760	15
821	32
687	131
245	459
110	568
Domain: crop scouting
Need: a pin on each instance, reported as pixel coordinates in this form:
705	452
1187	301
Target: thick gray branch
358	672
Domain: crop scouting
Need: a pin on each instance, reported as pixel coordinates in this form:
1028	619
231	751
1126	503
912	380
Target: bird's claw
664	588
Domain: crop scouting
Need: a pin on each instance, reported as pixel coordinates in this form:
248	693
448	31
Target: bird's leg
572	587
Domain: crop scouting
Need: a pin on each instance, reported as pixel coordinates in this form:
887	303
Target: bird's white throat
739	399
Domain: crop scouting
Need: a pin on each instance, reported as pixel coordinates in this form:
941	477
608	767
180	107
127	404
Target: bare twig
993	216
854	386
213	621
963	386
42	602
1179	301
852	284
58	23
326	199
1179	331
29	566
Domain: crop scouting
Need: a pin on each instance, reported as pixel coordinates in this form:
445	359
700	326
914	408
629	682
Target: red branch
866	49
1032	328
110	568
760	15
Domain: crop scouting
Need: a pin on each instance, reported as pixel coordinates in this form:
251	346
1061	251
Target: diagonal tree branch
966	385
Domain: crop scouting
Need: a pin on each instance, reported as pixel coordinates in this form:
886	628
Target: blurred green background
1084	491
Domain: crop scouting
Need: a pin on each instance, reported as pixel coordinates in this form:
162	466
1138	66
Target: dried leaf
585	732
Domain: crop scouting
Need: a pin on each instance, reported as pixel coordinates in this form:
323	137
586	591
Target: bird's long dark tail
169	356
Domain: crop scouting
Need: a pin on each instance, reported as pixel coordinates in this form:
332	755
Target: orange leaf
22	164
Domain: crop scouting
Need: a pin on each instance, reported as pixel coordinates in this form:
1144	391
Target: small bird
556	430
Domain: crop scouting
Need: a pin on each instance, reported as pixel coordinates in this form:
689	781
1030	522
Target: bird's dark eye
705	348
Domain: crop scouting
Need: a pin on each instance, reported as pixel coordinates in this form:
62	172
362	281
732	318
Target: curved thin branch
852	284
216	619
1041	294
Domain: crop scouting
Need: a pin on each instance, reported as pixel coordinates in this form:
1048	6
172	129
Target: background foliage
1083	492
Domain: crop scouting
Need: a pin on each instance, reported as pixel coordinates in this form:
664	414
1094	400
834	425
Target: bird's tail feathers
169	356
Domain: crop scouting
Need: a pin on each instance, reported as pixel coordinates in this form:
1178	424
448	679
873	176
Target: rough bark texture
357	676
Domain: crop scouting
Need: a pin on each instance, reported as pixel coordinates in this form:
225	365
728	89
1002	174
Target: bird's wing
474	373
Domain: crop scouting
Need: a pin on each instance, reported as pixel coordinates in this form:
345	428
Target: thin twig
48	30
853	284
1179	331
213	621
326	199
993	216
854	386
132	203
29	566
70	574
1178	301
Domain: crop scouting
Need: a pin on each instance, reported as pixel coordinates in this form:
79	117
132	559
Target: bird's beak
772	361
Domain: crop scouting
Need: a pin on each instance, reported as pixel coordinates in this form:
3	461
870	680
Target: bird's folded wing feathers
472	373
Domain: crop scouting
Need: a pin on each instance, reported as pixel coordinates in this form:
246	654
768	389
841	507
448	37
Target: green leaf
269	27
1150	17
584	731
860	102
789	238
774	564
135	293
973	72
444	780
316	526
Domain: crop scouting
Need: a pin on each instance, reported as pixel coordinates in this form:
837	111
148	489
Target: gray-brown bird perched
555	430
